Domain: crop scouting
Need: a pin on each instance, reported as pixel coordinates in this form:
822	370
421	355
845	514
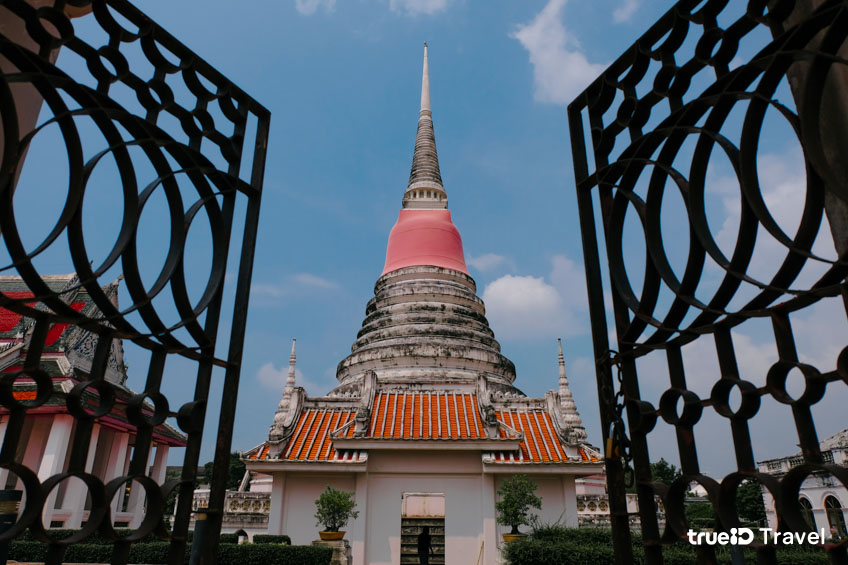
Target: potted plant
518	495
335	508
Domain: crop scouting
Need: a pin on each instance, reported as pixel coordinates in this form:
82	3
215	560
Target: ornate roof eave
283	428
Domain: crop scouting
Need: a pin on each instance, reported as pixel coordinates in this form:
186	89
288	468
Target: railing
187	148
660	140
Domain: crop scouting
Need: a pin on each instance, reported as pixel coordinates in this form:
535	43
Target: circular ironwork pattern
186	123
682	109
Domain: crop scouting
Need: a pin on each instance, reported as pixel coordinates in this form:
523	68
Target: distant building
823	499
49	429
426	421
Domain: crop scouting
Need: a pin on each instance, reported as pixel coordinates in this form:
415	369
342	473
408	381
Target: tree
749	503
700	515
518	495
664	472
335	508
235	471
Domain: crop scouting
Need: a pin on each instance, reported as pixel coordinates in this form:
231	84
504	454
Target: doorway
420	510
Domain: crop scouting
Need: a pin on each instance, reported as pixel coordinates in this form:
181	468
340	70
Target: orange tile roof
586	456
261	453
414	415
426	415
311	441
540	443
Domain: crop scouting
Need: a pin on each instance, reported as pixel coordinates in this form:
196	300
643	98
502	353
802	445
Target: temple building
426	421
822	498
49	429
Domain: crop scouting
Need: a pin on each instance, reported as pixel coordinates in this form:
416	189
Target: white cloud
782	179
570	278
310	280
415	7
267	289
293	284
560	69
308	7
487	261
625	11
528	307
274	379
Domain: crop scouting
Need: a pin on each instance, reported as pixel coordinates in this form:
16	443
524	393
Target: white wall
375	535
553	500
463	515
301	490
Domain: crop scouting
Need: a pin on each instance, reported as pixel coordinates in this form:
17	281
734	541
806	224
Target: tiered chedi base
426	326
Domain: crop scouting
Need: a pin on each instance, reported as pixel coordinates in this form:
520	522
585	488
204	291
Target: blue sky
342	81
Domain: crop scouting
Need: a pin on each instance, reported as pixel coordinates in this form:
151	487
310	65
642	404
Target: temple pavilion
426	421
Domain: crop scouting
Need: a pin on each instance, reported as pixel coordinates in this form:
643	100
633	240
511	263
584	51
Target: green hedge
228	538
228	553
557	545
542	552
267	553
95	539
91	553
268	538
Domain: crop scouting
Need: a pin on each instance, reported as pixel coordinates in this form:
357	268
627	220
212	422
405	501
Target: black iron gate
125	91
698	88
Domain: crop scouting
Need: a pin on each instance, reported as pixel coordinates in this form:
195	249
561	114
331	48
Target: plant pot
331	536
513	537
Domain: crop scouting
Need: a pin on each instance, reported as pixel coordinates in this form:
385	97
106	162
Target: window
795	461
827	457
807	513
835	518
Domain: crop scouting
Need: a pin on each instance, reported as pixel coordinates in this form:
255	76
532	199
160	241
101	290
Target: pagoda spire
283	415
425	190
290	378
568	409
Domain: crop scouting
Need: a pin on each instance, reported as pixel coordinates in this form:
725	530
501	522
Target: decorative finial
568	408
425	190
425	84
290	379
284	407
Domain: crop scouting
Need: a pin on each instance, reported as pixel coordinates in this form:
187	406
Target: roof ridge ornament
425	190
290	402
570	417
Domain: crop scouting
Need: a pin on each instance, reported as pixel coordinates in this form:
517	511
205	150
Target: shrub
228	538
32	551
151	553
269	538
538	552
335	508
555	544
232	554
518	494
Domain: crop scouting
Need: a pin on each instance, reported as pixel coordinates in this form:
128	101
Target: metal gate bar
638	114
191	130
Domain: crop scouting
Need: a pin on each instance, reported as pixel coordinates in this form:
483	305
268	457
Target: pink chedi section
425	237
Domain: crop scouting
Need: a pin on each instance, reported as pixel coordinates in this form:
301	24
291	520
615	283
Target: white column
137	497
115	464
359	531
160	463
275	514
53	460
4	473
77	490
35	443
569	493
490	526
